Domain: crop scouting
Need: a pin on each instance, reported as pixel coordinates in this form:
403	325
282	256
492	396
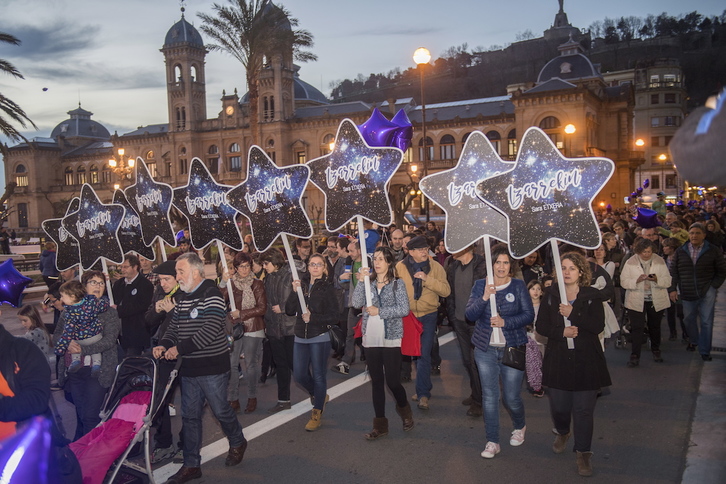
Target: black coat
584	367
695	280
132	302
451	266
322	304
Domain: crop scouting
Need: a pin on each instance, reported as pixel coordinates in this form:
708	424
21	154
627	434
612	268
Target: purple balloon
639	190
12	284
647	218
404	133
646	183
378	131
669	204
609	208
680	203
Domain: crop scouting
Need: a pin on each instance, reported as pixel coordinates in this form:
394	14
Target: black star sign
152	202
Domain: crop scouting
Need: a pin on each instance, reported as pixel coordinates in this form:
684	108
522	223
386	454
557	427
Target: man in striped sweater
196	334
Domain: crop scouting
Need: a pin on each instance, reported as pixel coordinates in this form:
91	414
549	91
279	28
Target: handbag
337	338
411	341
515	357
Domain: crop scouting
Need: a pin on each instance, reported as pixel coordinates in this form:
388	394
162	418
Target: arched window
512	143
234	148
496	140
464	138
181	118
106	175
430	149
68	176
447	147
552	126
550	122
81	175
194	73
150	155
93	174
213	150
177	73
327	145
271	149
21	176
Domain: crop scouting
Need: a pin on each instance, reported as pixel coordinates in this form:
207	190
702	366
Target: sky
106	55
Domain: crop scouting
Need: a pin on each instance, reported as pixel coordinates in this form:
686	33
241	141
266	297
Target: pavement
660	423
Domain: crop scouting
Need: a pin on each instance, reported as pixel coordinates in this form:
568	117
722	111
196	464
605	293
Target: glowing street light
421	57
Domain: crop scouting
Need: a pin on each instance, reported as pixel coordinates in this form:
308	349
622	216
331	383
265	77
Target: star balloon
130	232
354	178
95	226
152	202
12	284
454	190
67	250
547	196
270	197
203	202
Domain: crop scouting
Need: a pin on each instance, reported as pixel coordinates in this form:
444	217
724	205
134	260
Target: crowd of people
509	326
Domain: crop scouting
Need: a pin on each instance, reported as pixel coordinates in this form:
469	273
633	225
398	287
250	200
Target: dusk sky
107	53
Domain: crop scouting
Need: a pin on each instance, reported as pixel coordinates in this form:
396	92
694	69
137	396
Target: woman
515	312
312	342
382	329
600	257
714	234
441	253
573	376
47	264
251	302
646	279
88	392
532	269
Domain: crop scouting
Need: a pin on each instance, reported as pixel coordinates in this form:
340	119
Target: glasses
95	283
316	264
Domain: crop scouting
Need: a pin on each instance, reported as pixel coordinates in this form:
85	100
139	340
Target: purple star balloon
454	190
203	202
270	197
95	226
68	253
12	284
354	179
152	203
547	196
129	234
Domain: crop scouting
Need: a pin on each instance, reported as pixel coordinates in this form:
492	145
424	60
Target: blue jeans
491	369
423	363
88	396
702	308
213	389
310	369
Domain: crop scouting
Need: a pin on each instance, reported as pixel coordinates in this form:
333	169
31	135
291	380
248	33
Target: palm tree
252	31
7	106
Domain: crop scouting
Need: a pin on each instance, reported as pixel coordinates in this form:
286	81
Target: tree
252	32
10	109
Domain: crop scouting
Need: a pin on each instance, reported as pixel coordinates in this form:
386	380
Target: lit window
234	148
93	174
496	140
447	147
235	163
69	176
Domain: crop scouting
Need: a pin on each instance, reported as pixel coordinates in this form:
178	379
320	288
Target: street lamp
121	164
662	158
570	130
421	57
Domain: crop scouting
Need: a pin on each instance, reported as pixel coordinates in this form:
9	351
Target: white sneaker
517	437
490	450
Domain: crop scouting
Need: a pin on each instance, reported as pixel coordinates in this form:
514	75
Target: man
397	245
185	247
660	205
463	269
625	239
303	251
132	296
331	251
698	271
651	234
347	281
197	334
371	237
147	270
426	282
432	231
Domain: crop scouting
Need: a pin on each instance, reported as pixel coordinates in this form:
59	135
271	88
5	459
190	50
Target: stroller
127	413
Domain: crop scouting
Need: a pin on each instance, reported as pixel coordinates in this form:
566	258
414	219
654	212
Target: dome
80	125
570	64
302	92
183	32
272	9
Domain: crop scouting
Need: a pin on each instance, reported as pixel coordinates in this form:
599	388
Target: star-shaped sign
547	196
152	202
203	202
354	178
130	232
270	198
454	190
67	251
95	226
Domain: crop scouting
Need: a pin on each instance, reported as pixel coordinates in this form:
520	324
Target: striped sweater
197	330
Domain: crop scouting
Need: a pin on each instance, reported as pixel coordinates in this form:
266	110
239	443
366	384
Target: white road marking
221	446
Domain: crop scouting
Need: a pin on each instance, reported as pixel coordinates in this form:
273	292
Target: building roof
568	67
469	108
183	32
93	148
80	125
304	91
554	84
342	109
150	129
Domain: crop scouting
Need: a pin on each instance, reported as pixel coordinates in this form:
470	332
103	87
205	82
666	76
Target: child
533	355
35	329
81	324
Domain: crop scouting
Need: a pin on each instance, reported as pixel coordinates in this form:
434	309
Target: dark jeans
267	360
88	397
213	389
282	354
163	436
423	364
311	369
464	332
637	327
384	366
578	406
675	311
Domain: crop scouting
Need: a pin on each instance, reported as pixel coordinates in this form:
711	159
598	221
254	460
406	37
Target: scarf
244	285
413	268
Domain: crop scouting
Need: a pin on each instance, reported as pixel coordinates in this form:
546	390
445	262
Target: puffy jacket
479	264
635	292
694	280
47	264
278	286
322	304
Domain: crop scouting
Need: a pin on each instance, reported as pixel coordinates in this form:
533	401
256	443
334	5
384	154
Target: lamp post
569	131
640	143
663	159
122	165
421	57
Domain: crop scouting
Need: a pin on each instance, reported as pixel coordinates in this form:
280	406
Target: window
168	168
550	122
181	118
93	174
300	157
670	98
671	181
429	149
654	122
512	143
150	155
21	176
213	150
152	169
234	148
447	148
655	80
271	149
464	138
654	98
326	147
183	166
81	175
23	215
106	175
496	140
672	121
655	141
213	164
194	73
177	73
655	182
268	110
670	80
235	163
69	176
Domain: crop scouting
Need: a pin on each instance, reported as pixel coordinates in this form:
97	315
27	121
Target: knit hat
167	268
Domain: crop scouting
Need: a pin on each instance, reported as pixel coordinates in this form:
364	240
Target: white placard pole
497	334
104	266
230	293
293	270
561	285
364	259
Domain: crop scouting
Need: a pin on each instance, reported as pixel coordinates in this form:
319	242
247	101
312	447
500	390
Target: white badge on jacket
134	291
509	297
194	313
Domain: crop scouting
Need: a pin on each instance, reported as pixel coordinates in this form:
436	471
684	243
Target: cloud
387	31
62	38
101	76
